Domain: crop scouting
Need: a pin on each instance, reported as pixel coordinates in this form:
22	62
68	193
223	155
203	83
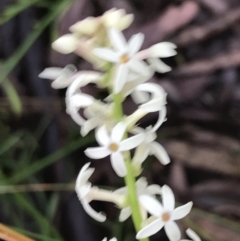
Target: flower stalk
129	179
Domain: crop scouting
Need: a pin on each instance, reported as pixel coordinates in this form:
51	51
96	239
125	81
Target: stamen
165	217
124	59
113	147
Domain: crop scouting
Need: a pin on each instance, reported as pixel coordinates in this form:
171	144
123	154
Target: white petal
84	175
50	73
159	152
144	213
168	198
135	43
120	77
88	125
102	136
131	142
153	88
161	118
153	105
65	44
106	54
121	191
193	235
172	231
100	217
117	39
88	26
97	152
77	118
182	211
64	79
118	132
125	214
141	184
154	189
118	164
140	97
113	239
83	191
81	100
158	65
140	154
125	21
163	50
151	204
111	17
74	87
150	229
139	66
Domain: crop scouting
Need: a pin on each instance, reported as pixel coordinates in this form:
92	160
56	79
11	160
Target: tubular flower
75	99
97	114
114	146
113	18
83	190
156	102
142	188
160	50
86	193
75	103
123	56
61	76
164	215
149	147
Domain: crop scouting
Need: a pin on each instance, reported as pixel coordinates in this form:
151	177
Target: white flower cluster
123	69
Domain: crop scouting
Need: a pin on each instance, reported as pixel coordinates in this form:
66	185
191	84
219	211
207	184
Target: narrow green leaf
15	9
13	97
41	164
10	142
17	56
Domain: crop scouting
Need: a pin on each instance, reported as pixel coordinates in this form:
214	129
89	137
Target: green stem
129	178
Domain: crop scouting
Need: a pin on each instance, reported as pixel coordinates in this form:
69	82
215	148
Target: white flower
124	56
97	114
83	188
160	50
75	99
66	44
113	18
61	76
117	18
80	79
150	104
87	26
86	193
141	188
114	146
192	235
75	103
149	147
165	215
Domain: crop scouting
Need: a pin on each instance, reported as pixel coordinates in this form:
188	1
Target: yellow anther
165	217
124	59
113	147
